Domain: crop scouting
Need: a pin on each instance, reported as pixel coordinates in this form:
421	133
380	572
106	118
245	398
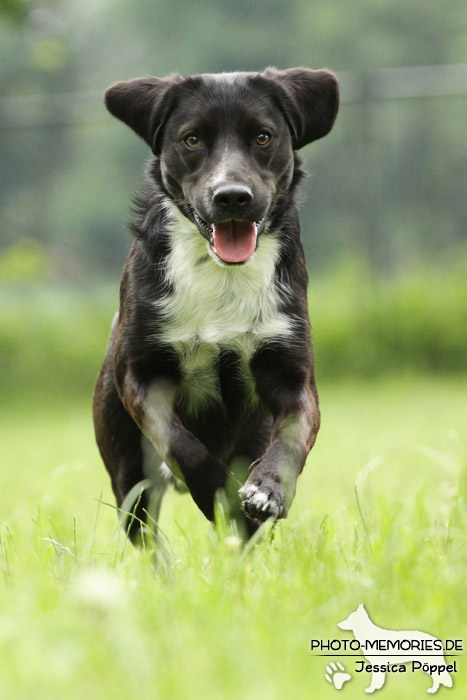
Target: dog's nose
232	196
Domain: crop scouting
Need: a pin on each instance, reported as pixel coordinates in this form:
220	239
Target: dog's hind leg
138	477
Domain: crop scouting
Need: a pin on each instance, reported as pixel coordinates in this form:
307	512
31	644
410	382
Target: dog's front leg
152	408
270	488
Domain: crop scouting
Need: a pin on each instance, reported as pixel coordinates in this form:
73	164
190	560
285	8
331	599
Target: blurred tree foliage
388	185
14	9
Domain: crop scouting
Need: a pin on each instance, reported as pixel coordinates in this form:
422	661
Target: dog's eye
192	141
263	138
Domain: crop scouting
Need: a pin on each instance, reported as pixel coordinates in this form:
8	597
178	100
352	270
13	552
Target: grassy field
380	517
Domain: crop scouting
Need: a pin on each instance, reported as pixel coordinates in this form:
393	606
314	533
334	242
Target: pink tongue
235	241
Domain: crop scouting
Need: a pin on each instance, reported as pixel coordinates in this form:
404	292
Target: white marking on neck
213	303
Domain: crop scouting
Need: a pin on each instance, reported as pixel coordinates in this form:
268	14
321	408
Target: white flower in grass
99	588
233	543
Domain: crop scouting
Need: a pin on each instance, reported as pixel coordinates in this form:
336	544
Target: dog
208	379
366	632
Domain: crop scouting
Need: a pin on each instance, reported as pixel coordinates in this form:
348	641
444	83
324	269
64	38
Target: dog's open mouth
233	241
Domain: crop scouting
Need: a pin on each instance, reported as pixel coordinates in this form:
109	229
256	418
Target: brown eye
263	138
192	141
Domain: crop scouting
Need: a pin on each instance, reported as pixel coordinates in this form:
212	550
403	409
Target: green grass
84	615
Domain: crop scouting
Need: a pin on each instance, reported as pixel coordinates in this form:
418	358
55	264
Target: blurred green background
384	207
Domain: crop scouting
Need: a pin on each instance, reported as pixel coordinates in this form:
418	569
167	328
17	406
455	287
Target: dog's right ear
143	104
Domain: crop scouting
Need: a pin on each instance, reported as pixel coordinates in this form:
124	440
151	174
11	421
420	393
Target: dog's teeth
203	223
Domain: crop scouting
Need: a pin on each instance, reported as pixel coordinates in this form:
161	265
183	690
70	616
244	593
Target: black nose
232	196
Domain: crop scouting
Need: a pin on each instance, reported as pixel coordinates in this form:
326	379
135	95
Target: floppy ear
309	101
143	104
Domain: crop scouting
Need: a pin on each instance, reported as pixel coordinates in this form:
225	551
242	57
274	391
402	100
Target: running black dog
208	377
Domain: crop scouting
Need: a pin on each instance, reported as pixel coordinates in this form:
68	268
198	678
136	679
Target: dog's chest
217	316
214	373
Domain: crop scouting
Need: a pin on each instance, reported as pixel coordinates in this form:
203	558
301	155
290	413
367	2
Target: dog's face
226	153
226	143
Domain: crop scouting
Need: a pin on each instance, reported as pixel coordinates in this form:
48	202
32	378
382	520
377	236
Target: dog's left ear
309	101
143	104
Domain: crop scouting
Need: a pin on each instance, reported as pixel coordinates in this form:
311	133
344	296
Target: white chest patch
215	303
213	307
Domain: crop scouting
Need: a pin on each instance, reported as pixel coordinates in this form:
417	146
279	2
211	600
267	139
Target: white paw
337	675
262	502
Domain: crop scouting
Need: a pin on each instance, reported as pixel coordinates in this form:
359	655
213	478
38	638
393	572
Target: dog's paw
263	499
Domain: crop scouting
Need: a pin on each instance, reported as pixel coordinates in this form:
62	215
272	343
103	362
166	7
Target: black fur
226	175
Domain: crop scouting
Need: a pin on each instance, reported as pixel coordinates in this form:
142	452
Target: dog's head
226	142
